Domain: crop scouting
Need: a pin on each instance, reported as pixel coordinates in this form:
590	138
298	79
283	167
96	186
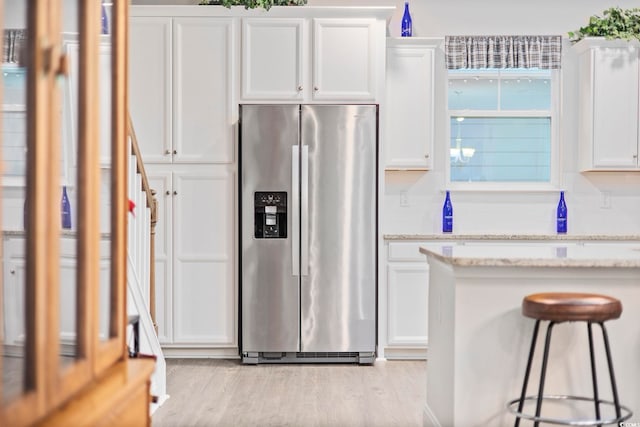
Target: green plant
252	4
616	23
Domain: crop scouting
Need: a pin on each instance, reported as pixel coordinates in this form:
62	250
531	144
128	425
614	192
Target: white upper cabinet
272	58
409	104
150	86
608	101
344	59
181	88
203	51
309	60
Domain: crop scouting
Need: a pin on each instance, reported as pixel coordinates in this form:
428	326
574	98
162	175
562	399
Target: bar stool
569	307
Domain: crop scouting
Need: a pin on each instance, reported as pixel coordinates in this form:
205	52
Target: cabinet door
150	86
13	297
160	180
204	294
203	55
615	108
407	295
409	108
344	59
273	59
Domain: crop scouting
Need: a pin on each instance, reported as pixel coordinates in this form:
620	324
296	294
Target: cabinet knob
13	272
167	152
168	193
635	156
175	193
175	151
426	156
300	88
315	88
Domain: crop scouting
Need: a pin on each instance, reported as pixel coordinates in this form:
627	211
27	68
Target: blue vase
65	210
407	27
447	215
561	215
104	21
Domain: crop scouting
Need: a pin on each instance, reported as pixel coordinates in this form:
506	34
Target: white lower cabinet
195	257
13	295
407	294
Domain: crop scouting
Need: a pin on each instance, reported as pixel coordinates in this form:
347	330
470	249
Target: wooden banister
152	204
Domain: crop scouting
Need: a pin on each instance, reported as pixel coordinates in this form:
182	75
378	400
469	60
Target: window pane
525	93
473	93
500	149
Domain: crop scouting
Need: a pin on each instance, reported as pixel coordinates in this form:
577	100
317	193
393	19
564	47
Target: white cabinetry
608	101
407	294
14	278
272	59
183	107
195	273
13	290
306	60
181	88
409	108
184	97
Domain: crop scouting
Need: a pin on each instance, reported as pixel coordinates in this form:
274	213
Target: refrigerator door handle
295	210
304	208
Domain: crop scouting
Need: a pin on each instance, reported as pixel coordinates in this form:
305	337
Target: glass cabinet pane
14	208
104	71
69	186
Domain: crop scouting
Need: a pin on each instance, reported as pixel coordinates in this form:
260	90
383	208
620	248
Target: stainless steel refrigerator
308	255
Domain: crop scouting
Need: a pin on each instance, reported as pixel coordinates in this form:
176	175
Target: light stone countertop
549	237
520	254
63	233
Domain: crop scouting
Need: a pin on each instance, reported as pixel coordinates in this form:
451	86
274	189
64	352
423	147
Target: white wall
503	212
510	212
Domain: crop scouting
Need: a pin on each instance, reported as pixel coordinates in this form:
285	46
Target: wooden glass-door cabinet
63	355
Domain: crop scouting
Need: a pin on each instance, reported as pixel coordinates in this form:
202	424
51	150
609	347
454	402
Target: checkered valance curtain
14	45
503	52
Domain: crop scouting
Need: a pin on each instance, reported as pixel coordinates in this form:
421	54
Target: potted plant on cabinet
252	4
616	23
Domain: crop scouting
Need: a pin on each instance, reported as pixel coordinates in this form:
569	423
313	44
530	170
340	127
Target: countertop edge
550	237
531	262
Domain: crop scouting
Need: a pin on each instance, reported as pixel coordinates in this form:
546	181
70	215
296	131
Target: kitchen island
479	340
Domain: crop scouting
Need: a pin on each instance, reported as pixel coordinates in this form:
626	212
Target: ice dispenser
270	215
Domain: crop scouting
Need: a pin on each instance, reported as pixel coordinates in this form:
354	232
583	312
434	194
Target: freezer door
269	159
338	236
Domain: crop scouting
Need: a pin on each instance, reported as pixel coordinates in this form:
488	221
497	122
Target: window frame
554	113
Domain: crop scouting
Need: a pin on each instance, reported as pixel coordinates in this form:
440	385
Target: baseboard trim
405	353
174	352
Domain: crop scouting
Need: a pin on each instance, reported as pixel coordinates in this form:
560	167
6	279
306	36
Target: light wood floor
208	392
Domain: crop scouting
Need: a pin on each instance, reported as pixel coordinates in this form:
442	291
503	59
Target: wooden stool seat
555	308
571	307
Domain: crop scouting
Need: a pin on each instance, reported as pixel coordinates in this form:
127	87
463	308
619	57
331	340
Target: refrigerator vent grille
318	355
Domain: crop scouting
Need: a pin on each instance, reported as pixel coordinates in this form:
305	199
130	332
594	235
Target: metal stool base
626	412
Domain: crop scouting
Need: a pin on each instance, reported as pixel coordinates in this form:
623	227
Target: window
502	125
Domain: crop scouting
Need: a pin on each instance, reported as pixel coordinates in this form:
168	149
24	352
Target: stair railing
152	204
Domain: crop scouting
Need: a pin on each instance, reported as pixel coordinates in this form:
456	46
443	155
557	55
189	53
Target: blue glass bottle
25	213
104	20
65	210
407	27
447	215
561	215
